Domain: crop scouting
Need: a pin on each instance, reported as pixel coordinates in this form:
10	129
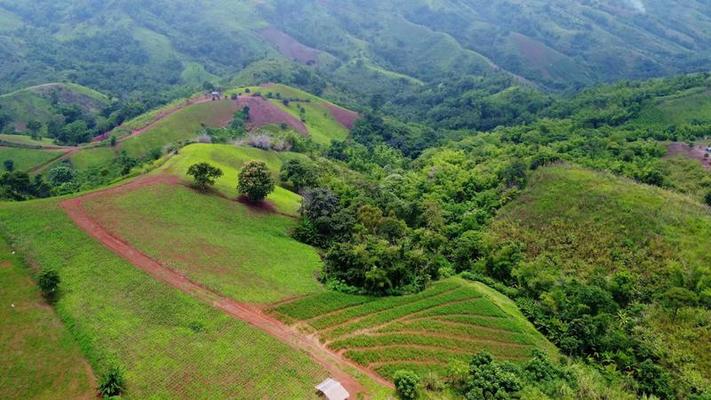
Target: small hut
331	389
216	95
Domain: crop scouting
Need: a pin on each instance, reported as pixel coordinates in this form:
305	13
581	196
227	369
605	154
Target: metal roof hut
332	390
215	95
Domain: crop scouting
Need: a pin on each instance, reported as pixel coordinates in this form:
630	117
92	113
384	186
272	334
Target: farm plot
170	345
452	320
26	159
222	244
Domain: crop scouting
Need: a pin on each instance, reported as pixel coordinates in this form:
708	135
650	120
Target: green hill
40	103
640	243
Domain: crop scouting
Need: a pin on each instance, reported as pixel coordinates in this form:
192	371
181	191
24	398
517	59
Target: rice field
452	320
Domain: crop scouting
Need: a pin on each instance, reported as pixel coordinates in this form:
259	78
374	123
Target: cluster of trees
254	183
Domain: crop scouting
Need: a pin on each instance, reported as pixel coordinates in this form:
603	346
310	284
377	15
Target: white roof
333	390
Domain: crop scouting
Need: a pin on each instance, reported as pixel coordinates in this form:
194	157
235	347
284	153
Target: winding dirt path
333	362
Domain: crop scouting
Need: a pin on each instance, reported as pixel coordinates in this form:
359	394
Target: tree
9	165
677	298
255	181
34	127
112	141
204	175
298	175
61	174
112	382
406	384
707	198
48	283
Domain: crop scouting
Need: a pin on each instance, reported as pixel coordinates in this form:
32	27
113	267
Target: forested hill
125	46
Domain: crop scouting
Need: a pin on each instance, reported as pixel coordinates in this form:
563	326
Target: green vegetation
241	252
452	320
255	181
168	344
26	159
204	175
41	359
634	256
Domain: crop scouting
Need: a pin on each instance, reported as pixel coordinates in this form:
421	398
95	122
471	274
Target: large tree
255	181
204	175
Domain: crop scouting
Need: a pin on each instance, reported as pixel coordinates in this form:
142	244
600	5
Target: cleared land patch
27	159
454	319
40	359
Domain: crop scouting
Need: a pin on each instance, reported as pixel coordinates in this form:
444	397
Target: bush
204	174
406	384
112	383
707	199
255	181
48	283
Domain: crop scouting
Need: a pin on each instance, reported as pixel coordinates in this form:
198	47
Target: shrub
112	383
433	382
406	384
707	199
255	181
10	166
204	174
48	283
61	174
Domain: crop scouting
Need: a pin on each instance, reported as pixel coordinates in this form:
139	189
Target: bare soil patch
347	118
290	47
693	152
262	112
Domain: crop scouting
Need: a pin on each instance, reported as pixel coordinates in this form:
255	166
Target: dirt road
333	362
695	152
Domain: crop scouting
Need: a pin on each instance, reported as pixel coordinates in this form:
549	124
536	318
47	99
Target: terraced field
452	320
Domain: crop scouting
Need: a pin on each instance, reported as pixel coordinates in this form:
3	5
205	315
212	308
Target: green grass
230	159
25	140
170	345
245	254
583	224
40	359
453	319
681	108
26	159
183	125
688	177
92	157
322	127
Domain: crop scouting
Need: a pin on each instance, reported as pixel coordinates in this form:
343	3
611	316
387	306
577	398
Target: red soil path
262	112
696	153
334	363
347	118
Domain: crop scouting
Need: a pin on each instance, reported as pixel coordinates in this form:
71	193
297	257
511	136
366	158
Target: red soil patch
334	363
347	118
696	153
262	112
290	47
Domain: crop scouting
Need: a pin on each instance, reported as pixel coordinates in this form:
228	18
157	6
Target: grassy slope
170	345
581	223
681	108
245	254
24	140
40	359
183	125
323	128
25	159
453	319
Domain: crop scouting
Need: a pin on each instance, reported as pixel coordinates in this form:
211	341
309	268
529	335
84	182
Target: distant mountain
360	47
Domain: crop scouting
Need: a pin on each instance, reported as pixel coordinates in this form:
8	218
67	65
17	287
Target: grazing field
170	345
452	320
40	359
681	108
24	140
243	253
182	125
26	159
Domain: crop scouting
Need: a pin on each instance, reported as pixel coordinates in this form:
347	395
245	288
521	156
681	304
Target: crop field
452	320
169	345
322	125
184	124
24	140
40	359
222	244
26	159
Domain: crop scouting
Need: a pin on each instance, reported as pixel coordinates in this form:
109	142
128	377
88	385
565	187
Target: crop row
473	331
320	304
375	306
374	320
471	344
